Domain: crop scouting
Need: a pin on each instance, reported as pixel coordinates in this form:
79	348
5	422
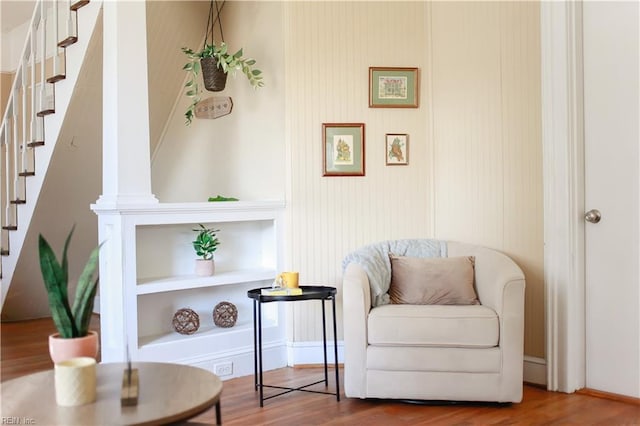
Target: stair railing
31	98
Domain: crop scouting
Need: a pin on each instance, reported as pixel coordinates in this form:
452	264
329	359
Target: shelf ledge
165	284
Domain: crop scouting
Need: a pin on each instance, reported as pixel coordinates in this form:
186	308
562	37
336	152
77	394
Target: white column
126	164
563	144
126	167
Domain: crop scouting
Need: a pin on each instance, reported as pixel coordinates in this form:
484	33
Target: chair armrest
500	284
495	274
356	302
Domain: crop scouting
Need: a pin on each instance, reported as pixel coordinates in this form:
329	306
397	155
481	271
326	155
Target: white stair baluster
23	143
32	46
5	147
56	38
43	54
69	15
15	144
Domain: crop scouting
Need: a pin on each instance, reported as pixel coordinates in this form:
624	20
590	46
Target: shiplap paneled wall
475	167
487	137
329	48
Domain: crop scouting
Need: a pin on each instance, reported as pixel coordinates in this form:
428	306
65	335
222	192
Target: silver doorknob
593	216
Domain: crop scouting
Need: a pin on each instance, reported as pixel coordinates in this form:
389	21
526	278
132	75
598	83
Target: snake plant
70	321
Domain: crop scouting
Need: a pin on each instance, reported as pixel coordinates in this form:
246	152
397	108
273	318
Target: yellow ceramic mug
288	279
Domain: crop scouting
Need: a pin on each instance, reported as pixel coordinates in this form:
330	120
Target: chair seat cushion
463	326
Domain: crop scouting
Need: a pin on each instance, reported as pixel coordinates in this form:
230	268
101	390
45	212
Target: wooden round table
167	393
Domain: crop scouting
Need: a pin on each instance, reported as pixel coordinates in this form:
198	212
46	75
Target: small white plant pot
205	268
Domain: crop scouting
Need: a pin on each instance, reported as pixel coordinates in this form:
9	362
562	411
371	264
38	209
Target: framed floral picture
393	87
343	149
397	149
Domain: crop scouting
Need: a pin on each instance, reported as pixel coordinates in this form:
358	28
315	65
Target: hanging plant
215	62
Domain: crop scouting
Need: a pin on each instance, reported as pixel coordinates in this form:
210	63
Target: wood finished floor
24	350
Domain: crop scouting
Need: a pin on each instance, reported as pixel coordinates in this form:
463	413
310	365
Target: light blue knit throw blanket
374	259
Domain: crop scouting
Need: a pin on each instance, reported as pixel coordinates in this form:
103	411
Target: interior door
612	160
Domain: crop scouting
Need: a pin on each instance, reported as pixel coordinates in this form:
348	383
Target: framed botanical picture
397	149
343	149
393	87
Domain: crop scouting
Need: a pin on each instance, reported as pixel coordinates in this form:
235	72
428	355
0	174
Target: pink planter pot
63	349
205	268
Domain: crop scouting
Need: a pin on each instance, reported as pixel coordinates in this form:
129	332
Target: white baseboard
535	370
240	363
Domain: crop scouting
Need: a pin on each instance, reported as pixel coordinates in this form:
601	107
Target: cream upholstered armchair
470	352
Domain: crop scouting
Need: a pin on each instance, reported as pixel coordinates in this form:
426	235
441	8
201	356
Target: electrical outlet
223	369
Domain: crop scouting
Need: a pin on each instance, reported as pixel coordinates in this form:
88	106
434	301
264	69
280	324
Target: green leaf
256	72
85	293
191	93
55	280
238	54
196	67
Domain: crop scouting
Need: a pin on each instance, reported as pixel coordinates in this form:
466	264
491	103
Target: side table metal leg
260	353
324	344
218	414
255	348
335	348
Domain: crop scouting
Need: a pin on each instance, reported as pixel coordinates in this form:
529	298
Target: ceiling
14	13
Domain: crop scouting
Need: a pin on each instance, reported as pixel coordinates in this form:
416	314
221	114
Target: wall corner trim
563	177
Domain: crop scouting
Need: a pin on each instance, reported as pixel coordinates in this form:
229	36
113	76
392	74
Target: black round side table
309	292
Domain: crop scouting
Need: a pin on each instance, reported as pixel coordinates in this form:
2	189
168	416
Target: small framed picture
343	149
393	87
397	149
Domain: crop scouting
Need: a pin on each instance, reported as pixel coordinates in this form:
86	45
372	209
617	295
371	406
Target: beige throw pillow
432	281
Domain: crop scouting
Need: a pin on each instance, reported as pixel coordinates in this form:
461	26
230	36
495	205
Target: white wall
487	137
12	45
241	154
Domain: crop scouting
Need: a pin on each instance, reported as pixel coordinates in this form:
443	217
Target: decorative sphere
186	321
225	314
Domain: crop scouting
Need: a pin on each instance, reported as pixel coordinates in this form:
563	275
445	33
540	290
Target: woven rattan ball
186	321
225	314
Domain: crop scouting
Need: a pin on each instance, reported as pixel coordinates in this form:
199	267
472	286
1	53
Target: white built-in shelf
158	279
159	285
204	332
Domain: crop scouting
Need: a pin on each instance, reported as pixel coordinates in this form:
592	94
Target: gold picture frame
393	87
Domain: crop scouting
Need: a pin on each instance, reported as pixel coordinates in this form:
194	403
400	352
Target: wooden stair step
77	5
18	201
25	174
56	78
35	143
68	41
46	112
10	228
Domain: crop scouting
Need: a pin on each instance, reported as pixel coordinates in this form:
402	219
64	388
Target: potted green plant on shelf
73	338
215	60
205	244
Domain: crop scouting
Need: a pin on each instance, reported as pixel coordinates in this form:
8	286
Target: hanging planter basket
214	77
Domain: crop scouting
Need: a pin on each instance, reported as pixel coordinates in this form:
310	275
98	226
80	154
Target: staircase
52	57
